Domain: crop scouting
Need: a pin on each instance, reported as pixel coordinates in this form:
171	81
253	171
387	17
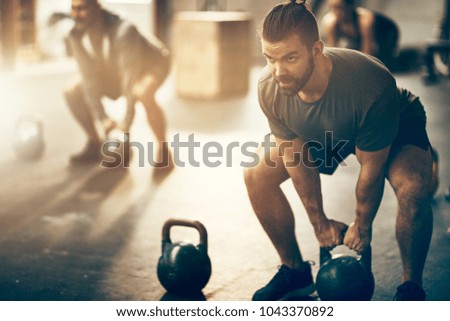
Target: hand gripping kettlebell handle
187	223
366	257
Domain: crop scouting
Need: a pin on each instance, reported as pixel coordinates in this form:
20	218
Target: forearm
331	40
369	48
310	194
306	179
130	78
369	192
308	186
129	114
368	45
329	232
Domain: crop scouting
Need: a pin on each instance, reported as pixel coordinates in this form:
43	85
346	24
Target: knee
145	90
73	94
148	100
142	95
413	199
255	179
250	177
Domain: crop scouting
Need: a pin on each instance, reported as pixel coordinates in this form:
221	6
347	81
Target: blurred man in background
352	27
114	60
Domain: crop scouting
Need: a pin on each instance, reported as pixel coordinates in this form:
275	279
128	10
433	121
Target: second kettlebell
29	141
184	268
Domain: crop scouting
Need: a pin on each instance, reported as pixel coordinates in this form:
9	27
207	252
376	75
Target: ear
317	48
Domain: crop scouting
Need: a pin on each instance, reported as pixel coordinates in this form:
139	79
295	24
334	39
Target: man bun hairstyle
290	18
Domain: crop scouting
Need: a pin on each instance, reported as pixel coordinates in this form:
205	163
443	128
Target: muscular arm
366	26
90	81
329	24
129	46
369	191
306	180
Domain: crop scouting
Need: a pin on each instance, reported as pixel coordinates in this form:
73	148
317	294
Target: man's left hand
358	238
125	128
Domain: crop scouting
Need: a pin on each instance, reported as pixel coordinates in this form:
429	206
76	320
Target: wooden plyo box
211	54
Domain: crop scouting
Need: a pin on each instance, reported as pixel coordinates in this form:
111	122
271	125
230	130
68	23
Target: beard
295	84
80	24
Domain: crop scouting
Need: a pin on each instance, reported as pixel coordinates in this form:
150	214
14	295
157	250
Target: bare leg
78	106
145	91
271	206
434	173
410	176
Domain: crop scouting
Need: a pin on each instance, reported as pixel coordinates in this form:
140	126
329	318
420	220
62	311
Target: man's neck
318	83
96	29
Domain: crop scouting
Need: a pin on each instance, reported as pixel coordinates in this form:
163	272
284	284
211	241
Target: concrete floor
92	233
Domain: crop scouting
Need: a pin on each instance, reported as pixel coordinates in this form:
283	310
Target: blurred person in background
115	60
352	27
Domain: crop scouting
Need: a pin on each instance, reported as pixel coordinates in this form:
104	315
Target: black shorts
158	69
110	85
411	131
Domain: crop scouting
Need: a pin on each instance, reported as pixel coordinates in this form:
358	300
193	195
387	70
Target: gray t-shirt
362	105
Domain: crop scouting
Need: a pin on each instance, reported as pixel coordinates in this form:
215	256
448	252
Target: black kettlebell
345	278
184	268
447	194
29	138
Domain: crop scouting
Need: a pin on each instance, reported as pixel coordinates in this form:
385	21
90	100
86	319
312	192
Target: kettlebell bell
447	194
184	268
344	277
29	138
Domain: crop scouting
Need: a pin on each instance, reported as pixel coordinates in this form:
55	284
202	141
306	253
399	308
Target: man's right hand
330	233
109	125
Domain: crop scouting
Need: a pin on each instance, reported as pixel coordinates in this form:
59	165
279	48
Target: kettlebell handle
31	119
187	223
366	257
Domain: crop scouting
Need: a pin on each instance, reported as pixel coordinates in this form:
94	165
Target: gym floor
92	233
